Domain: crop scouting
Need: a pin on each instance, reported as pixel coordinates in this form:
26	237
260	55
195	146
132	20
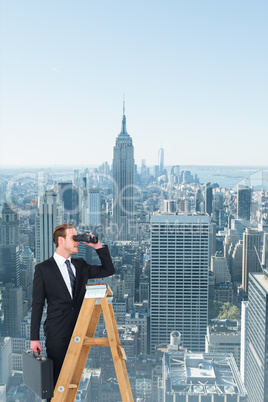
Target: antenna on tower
258	256
263	267
123	104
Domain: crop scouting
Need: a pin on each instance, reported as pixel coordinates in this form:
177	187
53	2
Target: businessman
60	281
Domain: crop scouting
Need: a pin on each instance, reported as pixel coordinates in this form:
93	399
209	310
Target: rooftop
202	373
180	218
262	279
224	330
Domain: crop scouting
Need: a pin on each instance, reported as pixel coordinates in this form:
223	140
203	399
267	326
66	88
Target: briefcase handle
37	356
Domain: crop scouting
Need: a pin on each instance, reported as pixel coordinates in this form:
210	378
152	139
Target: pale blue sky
194	75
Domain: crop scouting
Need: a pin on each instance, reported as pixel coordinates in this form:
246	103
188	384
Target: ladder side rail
78	372
73	353
110	306
119	363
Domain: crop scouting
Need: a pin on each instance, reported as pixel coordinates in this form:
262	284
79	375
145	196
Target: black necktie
71	275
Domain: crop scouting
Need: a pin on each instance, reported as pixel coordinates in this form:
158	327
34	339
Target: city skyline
193	75
177	280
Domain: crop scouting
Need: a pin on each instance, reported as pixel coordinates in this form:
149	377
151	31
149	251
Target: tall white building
46	221
179	278
256	369
161	160
123	184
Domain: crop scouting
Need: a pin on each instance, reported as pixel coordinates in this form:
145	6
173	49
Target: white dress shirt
60	261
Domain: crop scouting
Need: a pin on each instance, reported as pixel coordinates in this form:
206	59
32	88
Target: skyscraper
10	224
76	178
94	206
243	202
161	160
12	302
231	238
237	262
208	195
218	208
239	225
256	370
9	264
46	221
251	255
199	201
84	202
69	199
265	250
28	260
123	184
179	278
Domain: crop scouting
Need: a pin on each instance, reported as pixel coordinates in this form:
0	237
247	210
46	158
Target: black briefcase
38	374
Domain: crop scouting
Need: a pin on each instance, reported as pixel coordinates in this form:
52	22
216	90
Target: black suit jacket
62	310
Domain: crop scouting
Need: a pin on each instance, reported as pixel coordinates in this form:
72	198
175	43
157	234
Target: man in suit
60	281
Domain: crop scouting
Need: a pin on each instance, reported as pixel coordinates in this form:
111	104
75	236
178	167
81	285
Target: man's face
68	244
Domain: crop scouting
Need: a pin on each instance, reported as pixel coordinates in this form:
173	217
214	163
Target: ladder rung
72	386
96	342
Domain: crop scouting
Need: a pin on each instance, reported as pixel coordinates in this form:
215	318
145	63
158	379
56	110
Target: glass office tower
179	278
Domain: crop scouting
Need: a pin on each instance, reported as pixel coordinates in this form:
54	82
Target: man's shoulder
78	261
45	263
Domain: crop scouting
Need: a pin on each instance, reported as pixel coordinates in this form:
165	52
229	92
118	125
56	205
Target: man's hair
61	231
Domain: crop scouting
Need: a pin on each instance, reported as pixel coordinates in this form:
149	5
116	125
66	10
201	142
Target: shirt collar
60	259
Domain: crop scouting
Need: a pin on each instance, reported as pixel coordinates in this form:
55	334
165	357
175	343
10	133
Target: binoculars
86	238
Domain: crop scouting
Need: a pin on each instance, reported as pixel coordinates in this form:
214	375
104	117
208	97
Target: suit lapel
59	277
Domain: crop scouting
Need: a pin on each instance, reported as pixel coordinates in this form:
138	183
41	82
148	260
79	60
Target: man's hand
36	345
94	245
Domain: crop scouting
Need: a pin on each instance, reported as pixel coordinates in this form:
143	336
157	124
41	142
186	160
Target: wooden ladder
97	298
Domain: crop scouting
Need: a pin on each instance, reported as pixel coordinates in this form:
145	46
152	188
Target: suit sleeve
106	268
38	301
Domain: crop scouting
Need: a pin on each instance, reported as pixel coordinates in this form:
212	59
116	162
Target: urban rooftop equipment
202	374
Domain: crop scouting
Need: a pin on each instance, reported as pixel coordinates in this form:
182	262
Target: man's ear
60	240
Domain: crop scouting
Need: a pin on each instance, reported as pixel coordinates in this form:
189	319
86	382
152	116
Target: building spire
124	126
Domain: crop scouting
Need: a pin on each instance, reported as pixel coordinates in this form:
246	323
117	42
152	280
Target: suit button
72	308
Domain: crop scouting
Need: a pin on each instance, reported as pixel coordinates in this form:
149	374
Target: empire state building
123	184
